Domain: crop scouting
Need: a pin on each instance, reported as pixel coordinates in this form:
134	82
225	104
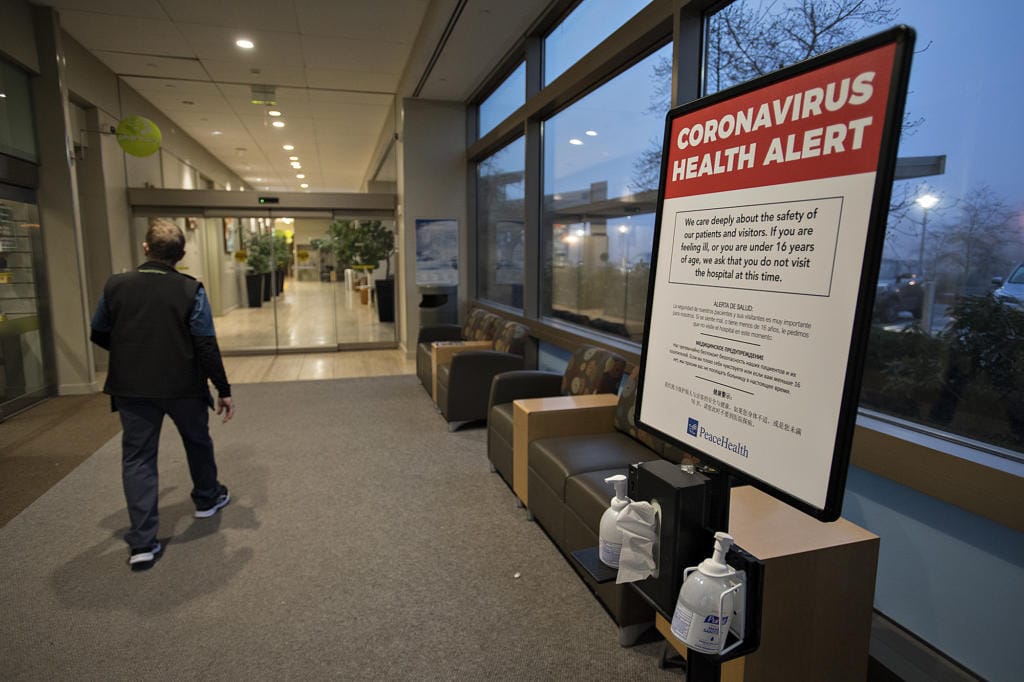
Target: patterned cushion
512	338
625	414
491	327
593	370
473	322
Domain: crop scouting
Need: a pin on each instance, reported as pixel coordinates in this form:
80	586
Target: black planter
268	286
254	289
385	299
280	280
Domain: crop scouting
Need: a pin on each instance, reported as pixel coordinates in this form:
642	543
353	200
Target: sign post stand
772	206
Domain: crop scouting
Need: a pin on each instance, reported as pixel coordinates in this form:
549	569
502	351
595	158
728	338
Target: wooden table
819	588
565	415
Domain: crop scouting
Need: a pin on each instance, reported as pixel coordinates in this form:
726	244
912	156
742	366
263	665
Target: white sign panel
770	227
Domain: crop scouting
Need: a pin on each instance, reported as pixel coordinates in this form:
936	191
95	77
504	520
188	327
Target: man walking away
157	325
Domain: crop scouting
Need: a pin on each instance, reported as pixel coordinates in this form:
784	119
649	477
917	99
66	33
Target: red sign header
825	123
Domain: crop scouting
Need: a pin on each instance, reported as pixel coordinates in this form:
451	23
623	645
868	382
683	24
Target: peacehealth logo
694	428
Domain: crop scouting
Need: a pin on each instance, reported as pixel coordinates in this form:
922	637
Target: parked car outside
899	290
1011	291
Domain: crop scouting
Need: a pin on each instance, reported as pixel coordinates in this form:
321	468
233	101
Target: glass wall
289	283
17	130
583	29
946	349
601	161
501	215
21	349
505	99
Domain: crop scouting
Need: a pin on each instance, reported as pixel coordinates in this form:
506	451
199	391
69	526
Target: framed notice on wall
771	218
437	252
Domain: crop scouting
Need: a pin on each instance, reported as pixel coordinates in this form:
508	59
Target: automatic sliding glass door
279	284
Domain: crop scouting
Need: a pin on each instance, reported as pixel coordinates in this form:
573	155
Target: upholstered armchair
480	326
590	370
464	384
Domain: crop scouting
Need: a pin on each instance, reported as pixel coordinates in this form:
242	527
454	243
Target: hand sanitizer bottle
610	537
701	619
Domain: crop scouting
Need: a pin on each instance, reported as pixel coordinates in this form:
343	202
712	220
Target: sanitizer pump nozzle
610	538
705	604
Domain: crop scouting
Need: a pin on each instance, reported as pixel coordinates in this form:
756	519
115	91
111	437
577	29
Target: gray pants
141	419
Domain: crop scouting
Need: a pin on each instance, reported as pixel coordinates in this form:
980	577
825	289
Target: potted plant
367	243
258	250
282	258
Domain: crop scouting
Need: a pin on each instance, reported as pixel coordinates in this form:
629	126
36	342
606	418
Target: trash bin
438	305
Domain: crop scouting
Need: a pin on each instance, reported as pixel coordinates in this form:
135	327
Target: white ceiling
337	66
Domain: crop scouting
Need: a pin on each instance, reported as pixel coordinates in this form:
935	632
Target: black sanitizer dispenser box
691	507
680	499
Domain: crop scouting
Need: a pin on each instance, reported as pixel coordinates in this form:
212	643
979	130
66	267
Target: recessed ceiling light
278	124
296	165
288	147
216	132
245	43
293	158
300	176
304	185
591	133
3	95
273	112
576	141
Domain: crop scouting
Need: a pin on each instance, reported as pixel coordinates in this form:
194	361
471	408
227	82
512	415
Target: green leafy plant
356	242
282	254
259	249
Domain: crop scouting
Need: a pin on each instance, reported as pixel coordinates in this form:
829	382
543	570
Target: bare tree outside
972	247
750	39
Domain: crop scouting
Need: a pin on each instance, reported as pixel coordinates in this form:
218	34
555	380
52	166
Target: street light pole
624	231
926	201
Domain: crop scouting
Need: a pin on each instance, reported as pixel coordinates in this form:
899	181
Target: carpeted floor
41	445
364	541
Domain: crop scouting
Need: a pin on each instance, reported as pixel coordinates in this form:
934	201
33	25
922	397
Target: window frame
949	469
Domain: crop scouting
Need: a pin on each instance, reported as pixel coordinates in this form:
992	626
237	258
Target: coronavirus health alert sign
770	224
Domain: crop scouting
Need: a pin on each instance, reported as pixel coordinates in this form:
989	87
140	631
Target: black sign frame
902	37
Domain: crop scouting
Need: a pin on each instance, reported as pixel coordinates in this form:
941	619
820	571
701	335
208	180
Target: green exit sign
268	200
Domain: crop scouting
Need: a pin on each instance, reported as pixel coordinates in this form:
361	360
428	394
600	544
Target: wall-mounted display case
22	379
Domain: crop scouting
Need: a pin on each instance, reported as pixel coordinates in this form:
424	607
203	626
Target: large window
947	351
586	26
17	130
505	99
500	217
601	161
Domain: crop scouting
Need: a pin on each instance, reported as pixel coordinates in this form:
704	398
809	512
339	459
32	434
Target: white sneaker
222	501
144	557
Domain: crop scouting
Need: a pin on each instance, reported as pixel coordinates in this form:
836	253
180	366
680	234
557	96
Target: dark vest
151	352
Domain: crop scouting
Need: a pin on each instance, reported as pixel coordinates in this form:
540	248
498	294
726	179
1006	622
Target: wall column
431	184
60	220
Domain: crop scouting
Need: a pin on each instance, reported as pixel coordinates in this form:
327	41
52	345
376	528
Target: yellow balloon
138	136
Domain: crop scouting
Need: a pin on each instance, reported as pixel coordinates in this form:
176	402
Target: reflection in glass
278	283
500	219
945	352
21	349
505	99
17	127
582	30
599	201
